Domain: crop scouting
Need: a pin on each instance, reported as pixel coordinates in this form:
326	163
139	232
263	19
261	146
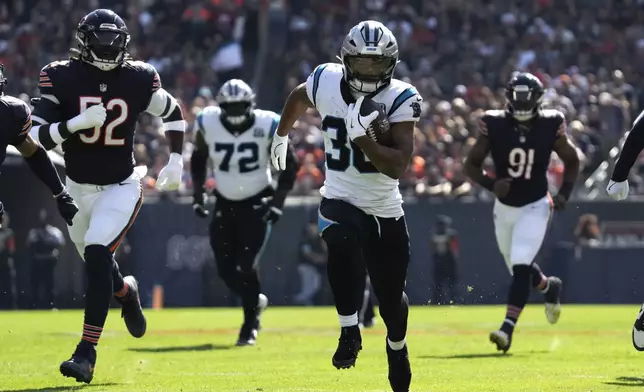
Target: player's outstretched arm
473	166
632	148
567	152
390	161
296	105
165	106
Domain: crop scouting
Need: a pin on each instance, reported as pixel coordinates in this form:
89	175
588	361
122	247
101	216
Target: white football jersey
350	176
241	162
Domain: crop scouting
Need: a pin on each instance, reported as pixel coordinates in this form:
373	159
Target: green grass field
190	350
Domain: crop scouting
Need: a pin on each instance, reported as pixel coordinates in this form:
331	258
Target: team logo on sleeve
258	132
415	106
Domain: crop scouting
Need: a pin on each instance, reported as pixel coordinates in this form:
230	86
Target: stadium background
588	53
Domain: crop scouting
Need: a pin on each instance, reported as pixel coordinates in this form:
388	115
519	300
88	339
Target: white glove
279	148
617	190
93	116
170	176
356	124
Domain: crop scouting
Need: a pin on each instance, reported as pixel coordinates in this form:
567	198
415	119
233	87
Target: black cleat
349	345
131	310
553	299
247	335
81	365
399	369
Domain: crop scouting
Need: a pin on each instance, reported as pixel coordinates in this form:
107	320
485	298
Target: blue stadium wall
170	248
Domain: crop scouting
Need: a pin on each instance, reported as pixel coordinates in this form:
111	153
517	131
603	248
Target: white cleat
638	331
501	339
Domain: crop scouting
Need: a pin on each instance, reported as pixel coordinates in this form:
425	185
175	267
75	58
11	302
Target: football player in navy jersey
520	140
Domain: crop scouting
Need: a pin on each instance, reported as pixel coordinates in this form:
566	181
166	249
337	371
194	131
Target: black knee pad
98	260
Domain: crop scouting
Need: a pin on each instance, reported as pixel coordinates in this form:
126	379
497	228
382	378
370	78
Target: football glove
66	206
170	176
271	213
356	124
617	190
199	205
93	116
279	149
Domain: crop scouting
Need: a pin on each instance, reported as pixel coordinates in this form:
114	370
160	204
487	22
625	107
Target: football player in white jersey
362	206
237	138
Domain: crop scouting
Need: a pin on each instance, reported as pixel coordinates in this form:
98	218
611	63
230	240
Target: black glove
66	206
198	205
271	213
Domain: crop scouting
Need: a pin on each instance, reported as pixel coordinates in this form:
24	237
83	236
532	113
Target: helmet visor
106	45
369	68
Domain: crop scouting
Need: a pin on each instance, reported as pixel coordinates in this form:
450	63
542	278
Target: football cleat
131	310
247	335
399	369
638	331
502	340
553	299
349	345
81	365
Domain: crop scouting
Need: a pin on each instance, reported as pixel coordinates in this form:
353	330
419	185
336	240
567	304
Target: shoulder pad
269	115
494	113
54	66
322	76
16	117
146	68
403	102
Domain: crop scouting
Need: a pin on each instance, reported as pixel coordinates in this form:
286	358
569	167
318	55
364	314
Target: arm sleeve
313	83
49	127
630	151
164	105
21	124
406	107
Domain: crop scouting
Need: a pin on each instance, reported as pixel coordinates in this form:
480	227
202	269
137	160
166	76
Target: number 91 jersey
240	159
522	153
350	176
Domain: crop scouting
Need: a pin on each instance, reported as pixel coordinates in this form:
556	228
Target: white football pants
520	231
105	212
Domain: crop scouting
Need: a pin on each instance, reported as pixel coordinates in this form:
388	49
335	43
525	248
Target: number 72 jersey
349	174
241	160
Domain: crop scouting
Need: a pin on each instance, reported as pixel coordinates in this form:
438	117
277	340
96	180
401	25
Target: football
378	130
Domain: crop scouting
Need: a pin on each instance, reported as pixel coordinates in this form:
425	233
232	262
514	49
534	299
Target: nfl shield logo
102	87
258	132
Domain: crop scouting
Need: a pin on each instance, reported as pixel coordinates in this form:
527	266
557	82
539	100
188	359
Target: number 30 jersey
522	153
350	176
241	160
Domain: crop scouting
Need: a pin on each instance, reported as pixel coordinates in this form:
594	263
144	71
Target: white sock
348	321
396	346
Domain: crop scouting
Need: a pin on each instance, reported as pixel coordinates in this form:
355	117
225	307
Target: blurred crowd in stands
458	53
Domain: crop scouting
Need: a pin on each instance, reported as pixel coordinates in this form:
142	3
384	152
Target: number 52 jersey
350	176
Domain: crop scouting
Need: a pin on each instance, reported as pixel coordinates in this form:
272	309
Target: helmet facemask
236	113
367	73
105	48
523	102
